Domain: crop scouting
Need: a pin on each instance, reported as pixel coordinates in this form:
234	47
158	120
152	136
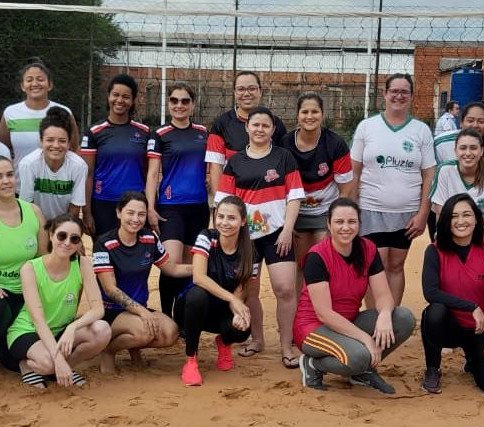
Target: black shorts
20	347
392	239
184	222
265	248
111	315
104	215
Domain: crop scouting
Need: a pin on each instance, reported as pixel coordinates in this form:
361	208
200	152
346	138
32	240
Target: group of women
286	198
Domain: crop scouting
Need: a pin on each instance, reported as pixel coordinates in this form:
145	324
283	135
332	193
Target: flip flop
290	362
248	352
34	379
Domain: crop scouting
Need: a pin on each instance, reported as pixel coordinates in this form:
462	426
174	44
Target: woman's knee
42	361
197	296
359	360
101	333
403	322
168	330
434	315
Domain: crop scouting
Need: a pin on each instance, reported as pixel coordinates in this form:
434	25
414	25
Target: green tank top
59	301
17	245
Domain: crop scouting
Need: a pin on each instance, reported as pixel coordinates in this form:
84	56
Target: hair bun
58	113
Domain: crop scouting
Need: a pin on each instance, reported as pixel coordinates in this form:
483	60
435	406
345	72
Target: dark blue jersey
120	152
182	153
131	264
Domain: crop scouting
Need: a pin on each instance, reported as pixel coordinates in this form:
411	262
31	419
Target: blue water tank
466	85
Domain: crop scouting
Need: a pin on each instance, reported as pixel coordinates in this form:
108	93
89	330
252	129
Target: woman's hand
63	371
284	243
150	321
3	294
241	313
416	225
375	351
89	225
153	220
478	316
66	342
383	334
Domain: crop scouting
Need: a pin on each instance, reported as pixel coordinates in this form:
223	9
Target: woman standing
115	152
394	163
22	238
52	176
464	175
329	328
181	196
222	268
452	280
19	126
122	260
266	178
323	160
228	135
46	336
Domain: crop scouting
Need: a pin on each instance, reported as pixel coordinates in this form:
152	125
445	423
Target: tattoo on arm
122	299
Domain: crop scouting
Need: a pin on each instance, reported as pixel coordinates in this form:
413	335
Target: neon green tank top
59	301
17	245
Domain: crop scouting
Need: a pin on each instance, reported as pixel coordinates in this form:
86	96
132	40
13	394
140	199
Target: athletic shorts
104	214
265	248
111	315
311	222
20	347
392	239
184	222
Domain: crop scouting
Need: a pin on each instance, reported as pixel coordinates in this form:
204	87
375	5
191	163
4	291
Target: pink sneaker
224	360
190	374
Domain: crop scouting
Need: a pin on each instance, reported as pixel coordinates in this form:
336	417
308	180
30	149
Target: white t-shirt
448	182
23	124
445	123
393	159
4	151
53	191
445	146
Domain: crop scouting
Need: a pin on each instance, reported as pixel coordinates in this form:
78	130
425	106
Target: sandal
78	379
34	379
246	351
290	362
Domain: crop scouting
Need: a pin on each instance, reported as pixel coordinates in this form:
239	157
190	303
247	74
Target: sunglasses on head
73	238
184	101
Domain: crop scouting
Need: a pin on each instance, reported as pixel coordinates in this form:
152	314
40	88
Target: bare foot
136	357
107	365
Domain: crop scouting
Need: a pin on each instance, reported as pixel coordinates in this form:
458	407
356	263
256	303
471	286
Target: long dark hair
244	244
357	252
444	238
479	174
53	224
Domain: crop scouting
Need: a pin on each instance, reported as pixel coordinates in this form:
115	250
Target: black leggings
441	330
9	309
199	311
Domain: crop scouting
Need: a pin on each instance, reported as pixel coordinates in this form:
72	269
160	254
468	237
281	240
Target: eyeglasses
175	101
73	238
242	89
402	92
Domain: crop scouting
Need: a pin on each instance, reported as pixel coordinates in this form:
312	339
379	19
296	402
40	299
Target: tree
66	42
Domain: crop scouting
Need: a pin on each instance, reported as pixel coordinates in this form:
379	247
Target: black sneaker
431	381
467	368
372	379
311	377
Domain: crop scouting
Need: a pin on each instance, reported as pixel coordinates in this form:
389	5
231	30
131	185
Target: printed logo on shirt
100	258
98	186
393	162
257	222
407	146
323	169
53	186
84	142
137	138
31	244
271	175
70	299
10	273
480	277
160	247
147	260
151	144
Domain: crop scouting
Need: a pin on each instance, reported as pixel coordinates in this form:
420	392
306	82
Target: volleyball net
343	50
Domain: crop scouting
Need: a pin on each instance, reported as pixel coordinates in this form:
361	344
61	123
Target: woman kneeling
122	260
222	268
329	329
453	284
46	337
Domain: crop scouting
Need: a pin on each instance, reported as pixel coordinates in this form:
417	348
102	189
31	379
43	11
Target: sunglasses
175	101
73	238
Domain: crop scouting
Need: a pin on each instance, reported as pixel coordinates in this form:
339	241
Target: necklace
253	155
312	146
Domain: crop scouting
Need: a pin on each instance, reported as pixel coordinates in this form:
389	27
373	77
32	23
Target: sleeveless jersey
17	245
59	301
120	154
346	287
182	153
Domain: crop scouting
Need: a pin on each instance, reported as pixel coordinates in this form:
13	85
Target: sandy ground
258	392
